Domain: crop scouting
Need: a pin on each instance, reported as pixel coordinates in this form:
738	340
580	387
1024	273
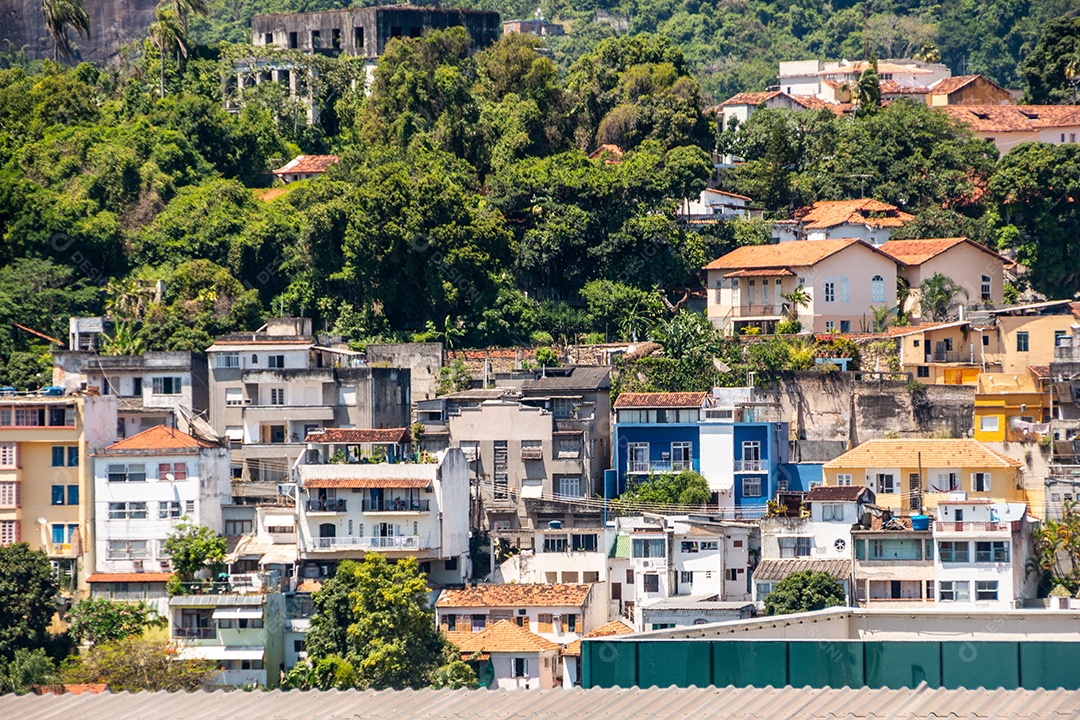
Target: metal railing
969	526
661	466
331	505
950	356
190	633
751	465
400	542
397	505
757	310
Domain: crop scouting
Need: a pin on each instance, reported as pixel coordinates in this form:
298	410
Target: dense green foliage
802	592
684	488
98	620
192	548
27	671
134	664
27	599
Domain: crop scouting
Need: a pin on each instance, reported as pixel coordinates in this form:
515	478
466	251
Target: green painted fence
830	663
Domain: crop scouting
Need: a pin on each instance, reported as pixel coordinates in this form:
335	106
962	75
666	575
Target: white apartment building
556	555
143	486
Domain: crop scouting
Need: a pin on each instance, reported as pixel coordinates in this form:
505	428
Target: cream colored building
1009	125
976	268
844	278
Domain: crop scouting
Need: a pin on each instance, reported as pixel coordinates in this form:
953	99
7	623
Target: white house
713	205
558	555
510	657
865	219
305	167
1009	125
144	485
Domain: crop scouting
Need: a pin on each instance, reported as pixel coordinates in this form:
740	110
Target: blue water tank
555	525
920	522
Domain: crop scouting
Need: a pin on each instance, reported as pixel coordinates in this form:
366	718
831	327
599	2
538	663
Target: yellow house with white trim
909	475
1010	408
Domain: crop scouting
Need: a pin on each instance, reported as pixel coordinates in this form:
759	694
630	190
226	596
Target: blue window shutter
58	456
57	494
73	456
58	533
72	494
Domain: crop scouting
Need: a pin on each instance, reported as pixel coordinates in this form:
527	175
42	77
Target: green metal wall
830	663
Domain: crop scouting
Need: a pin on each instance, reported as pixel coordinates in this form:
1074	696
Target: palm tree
881	315
796	299
167	35
936	294
61	15
184	9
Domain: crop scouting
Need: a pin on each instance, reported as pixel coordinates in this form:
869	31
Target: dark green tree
1045	67
802	592
28	591
684	488
98	620
193	548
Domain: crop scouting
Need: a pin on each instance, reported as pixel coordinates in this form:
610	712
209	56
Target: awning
233	613
368	483
279	520
221	652
284	554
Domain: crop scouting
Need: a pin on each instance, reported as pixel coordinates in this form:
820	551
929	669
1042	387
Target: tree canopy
28	591
802	592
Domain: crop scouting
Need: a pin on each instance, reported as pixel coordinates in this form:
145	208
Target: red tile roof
353	435
504	636
728	194
765	272
845	493
960	453
612	154
515	595
307	165
916	252
137	577
949	85
750	98
368	483
891	87
865	211
616	627
160	437
1014	118
660	400
85	688
309	586
795	253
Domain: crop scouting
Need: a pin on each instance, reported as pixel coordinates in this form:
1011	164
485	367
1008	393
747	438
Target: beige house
974	267
968	90
844	278
1009	125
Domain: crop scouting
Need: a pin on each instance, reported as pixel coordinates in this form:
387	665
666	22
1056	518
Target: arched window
350	527
360	530
254	359
877	289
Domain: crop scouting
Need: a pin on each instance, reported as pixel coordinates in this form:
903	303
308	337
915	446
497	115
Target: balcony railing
400	542
194	633
967	526
751	466
949	356
330	505
397	505
772	310
663	466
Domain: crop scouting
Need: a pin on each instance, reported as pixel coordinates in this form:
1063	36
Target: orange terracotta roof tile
865	211
1014	118
949	85
85	688
930	453
750	98
811	102
794	253
145	577
309	586
616	627
515	595
728	194
359	435
504	636
367	483
660	400
612	154
845	493
916	252
764	272
891	87
160	437
307	164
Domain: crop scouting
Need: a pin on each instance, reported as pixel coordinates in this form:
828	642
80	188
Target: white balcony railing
400	542
638	467
751	465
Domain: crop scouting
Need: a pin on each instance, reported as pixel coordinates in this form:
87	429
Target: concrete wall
424	360
113	23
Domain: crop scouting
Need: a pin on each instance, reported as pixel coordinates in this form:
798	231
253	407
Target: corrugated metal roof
621	547
616	703
581	377
215	600
773	569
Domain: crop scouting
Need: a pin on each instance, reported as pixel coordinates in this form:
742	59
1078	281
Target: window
237	527
830	290
649	548
127	511
169	510
275	361
986	590
571	622
980	481
479	622
630	576
681	456
57	494
228	360
234	396
277	396
189	506
951	551
877	289
922	371
688	546
792	547
650	582
832	512
73	456
569	486
732	574
294	42
72	494
9	455
886	483
751	487
843	479
1022	341
59	454
996	551
845	289
555	543
984	288
562	408
358	37
9	494
583	543
167	385
686	578
569	448
172	472
637	455
126	550
829	326
521	667
710	545
953	591
989	423
9	532
136	472
451	622
62	533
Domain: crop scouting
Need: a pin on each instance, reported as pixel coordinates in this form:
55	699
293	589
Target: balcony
194	633
401	542
943	526
61	550
949	356
776	310
638	467
403	505
330	506
752	466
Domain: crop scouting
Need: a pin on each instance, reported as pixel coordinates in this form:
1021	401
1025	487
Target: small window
989	423
986	590
358	37
451	622
952	551
275	361
877	289
953	591
980	481
843	479
832	512
922	371
984	288
829	326
58	455
316	39
751	487
792	547
996	551
521	667
651	582
1022	341
985	339
686	578
294	41
229	360
277	396
73	456
830	290
845	326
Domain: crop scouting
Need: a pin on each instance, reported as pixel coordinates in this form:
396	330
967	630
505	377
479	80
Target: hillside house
869	220
976	268
508	656
1009	125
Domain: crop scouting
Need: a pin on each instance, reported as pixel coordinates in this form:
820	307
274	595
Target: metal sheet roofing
773	569
622	704
580	377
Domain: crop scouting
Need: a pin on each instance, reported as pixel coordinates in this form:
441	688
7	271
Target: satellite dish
721	366
170	477
42	521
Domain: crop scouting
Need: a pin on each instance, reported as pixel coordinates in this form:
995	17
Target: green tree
375	615
193	548
868	91
936	296
98	620
796	299
1056	549
60	15
802	592
1045	68
684	488
28	590
135	664
454	377
27	671
688	334
167	35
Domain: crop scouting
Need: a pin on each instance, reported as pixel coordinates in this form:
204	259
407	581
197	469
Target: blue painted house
738	445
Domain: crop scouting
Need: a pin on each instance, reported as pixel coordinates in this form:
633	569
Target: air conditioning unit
646	563
166	566
138	565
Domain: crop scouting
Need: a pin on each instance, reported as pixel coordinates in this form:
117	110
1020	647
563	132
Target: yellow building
912	474
46	476
1010	407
